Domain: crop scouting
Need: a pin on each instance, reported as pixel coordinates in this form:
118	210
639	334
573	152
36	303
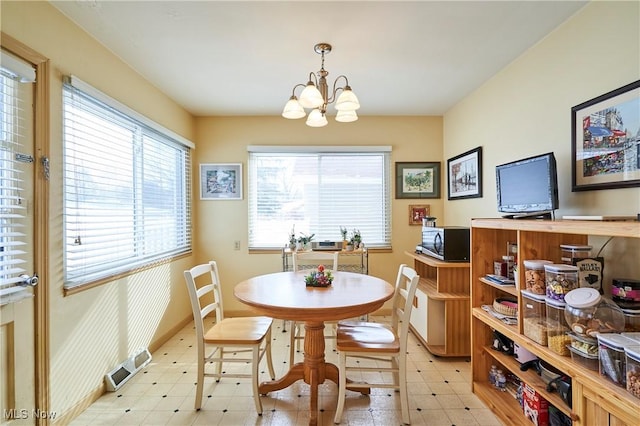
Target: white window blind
15	117
317	190
126	189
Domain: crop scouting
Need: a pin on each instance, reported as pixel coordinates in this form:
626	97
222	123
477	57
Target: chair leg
272	374
200	380
255	368
342	387
292	342
404	399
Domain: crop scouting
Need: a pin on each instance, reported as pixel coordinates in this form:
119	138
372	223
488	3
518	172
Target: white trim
18	68
108	100
322	148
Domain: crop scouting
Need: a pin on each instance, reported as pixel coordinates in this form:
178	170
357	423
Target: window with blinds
16	78
318	190
126	190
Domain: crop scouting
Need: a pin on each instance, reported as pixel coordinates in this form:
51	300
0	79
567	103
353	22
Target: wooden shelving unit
441	311
596	401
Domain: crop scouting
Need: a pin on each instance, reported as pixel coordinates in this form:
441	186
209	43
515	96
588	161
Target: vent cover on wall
117	377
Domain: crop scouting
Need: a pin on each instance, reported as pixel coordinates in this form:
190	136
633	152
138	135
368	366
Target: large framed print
417	180
464	175
221	181
605	140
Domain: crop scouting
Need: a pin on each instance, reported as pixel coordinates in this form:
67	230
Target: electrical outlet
236	245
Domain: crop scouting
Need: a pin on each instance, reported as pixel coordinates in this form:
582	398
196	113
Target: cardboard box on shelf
536	408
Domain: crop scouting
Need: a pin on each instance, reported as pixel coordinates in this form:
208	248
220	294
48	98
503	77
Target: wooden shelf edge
629	229
511	289
436	263
428	286
502	404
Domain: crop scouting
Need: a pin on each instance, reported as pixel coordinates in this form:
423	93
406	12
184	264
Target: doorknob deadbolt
28	280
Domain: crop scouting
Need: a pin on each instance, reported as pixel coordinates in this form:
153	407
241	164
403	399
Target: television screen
528	186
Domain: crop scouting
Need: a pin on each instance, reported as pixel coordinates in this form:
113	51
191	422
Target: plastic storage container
534	314
587	345
569	253
631	320
588	313
632	355
560	280
633	336
557	327
584	359
534	275
612	357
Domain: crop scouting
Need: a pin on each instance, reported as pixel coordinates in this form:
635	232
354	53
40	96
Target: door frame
41	219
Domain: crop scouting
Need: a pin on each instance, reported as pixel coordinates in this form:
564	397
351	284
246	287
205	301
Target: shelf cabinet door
419	314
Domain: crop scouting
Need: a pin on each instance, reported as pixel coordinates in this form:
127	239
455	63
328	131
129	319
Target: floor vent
127	369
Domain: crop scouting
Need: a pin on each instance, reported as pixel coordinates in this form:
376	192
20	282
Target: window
317	190
126	188
16	121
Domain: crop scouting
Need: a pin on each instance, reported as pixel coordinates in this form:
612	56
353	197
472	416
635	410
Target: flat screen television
528	187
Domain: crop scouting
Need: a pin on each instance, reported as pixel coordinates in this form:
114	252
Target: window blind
317	191
127	190
15	117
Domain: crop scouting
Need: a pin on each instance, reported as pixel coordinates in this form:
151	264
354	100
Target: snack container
631	320
625	290
612	357
583	344
570	252
534	315
534	275
588	313
632	354
633	336
584	359
557	328
560	280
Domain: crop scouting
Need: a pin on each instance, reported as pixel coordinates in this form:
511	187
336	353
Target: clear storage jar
632	355
534	275
588	313
557	327
612	358
534	316
560	280
570	253
631	320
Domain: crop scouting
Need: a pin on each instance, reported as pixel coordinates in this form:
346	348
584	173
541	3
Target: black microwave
448	243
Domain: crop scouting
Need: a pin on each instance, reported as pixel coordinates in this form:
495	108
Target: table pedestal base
314	370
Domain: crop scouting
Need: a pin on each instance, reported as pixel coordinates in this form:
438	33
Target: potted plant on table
303	241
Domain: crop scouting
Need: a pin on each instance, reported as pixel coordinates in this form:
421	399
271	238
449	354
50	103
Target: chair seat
241	331
366	337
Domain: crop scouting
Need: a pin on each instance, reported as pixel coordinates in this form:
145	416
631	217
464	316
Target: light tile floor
163	393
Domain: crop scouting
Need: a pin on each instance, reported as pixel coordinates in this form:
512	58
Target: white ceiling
244	57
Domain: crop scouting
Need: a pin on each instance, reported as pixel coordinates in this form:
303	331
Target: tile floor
163	393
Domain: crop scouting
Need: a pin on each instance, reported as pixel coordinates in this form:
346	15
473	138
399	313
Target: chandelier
316	96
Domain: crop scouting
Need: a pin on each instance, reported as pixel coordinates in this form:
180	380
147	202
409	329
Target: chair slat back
205	298
311	259
406	285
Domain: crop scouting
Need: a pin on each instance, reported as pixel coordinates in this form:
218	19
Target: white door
17	168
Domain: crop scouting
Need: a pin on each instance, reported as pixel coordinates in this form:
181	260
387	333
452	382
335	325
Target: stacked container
534	275
572	253
534	314
632	355
557	327
560	280
612	357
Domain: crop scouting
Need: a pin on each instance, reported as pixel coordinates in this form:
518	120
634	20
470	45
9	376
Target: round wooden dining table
284	295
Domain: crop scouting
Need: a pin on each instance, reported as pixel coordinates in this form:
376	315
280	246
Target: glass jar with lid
560	280
588	313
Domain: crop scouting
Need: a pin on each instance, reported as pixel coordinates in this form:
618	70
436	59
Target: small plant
305	239
356	238
343	232
319	278
292	236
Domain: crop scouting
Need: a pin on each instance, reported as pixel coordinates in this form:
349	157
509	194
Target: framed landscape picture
418	180
605	140
221	181
464	175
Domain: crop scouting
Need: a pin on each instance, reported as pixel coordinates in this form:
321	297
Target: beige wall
225	139
94	330
525	110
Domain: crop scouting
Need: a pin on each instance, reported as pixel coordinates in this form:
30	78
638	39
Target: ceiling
244	57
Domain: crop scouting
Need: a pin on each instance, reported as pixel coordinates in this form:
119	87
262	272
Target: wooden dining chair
228	336
384	344
308	261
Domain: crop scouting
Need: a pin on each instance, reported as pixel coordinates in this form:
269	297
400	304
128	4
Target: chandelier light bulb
345	116
293	109
311	96
347	101
316	119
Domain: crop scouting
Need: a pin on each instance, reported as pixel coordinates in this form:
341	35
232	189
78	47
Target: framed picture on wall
464	175
605	140
417	180
221	181
417	212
